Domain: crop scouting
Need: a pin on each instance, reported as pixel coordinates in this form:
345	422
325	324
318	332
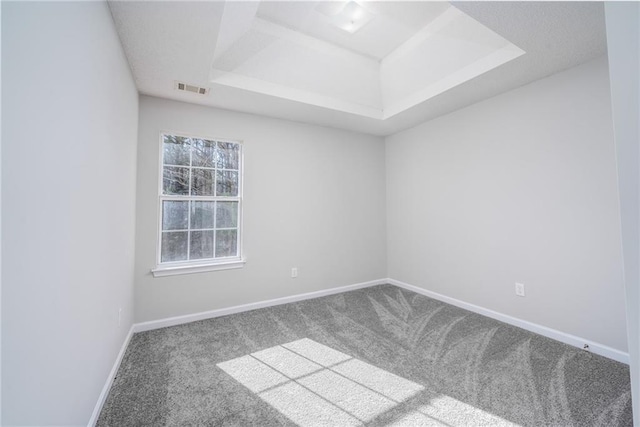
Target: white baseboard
107	386
179	320
566	338
572	340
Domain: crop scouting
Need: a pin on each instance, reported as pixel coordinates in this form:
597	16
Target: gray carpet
380	356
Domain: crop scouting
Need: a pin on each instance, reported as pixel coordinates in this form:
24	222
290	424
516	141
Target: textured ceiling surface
197	42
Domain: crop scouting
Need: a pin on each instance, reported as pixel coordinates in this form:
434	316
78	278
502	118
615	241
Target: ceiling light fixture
350	17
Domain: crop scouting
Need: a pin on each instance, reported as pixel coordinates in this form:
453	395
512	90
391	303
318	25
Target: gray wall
623	40
517	188
69	116
314	198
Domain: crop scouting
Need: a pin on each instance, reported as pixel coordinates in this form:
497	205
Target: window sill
174	270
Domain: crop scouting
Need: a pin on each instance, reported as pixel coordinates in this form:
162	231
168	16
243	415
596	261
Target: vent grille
191	88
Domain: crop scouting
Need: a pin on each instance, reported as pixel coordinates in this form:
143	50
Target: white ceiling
411	62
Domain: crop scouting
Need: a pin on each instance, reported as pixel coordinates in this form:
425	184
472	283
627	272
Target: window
200	205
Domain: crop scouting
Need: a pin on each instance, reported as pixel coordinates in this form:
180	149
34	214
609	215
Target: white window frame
201	265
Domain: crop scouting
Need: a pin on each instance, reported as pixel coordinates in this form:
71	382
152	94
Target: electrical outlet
119	316
520	289
294	272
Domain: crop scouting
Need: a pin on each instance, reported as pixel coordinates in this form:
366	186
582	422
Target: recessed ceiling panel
365	58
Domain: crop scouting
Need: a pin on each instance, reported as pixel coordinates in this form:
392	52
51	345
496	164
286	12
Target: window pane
201	182
227	184
227	215
175	215
203	153
202	214
175	180
174	246
228	155
200	218
176	150
201	244
226	243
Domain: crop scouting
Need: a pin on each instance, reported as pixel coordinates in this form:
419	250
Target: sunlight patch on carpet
312	384
315	385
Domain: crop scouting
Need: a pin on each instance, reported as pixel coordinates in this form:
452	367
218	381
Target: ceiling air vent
190	88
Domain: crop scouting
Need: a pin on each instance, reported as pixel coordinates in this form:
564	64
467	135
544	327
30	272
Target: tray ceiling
375	67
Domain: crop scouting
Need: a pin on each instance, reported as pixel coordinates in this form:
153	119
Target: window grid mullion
190	201
215	193
201	167
200	198
215	223
200	229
